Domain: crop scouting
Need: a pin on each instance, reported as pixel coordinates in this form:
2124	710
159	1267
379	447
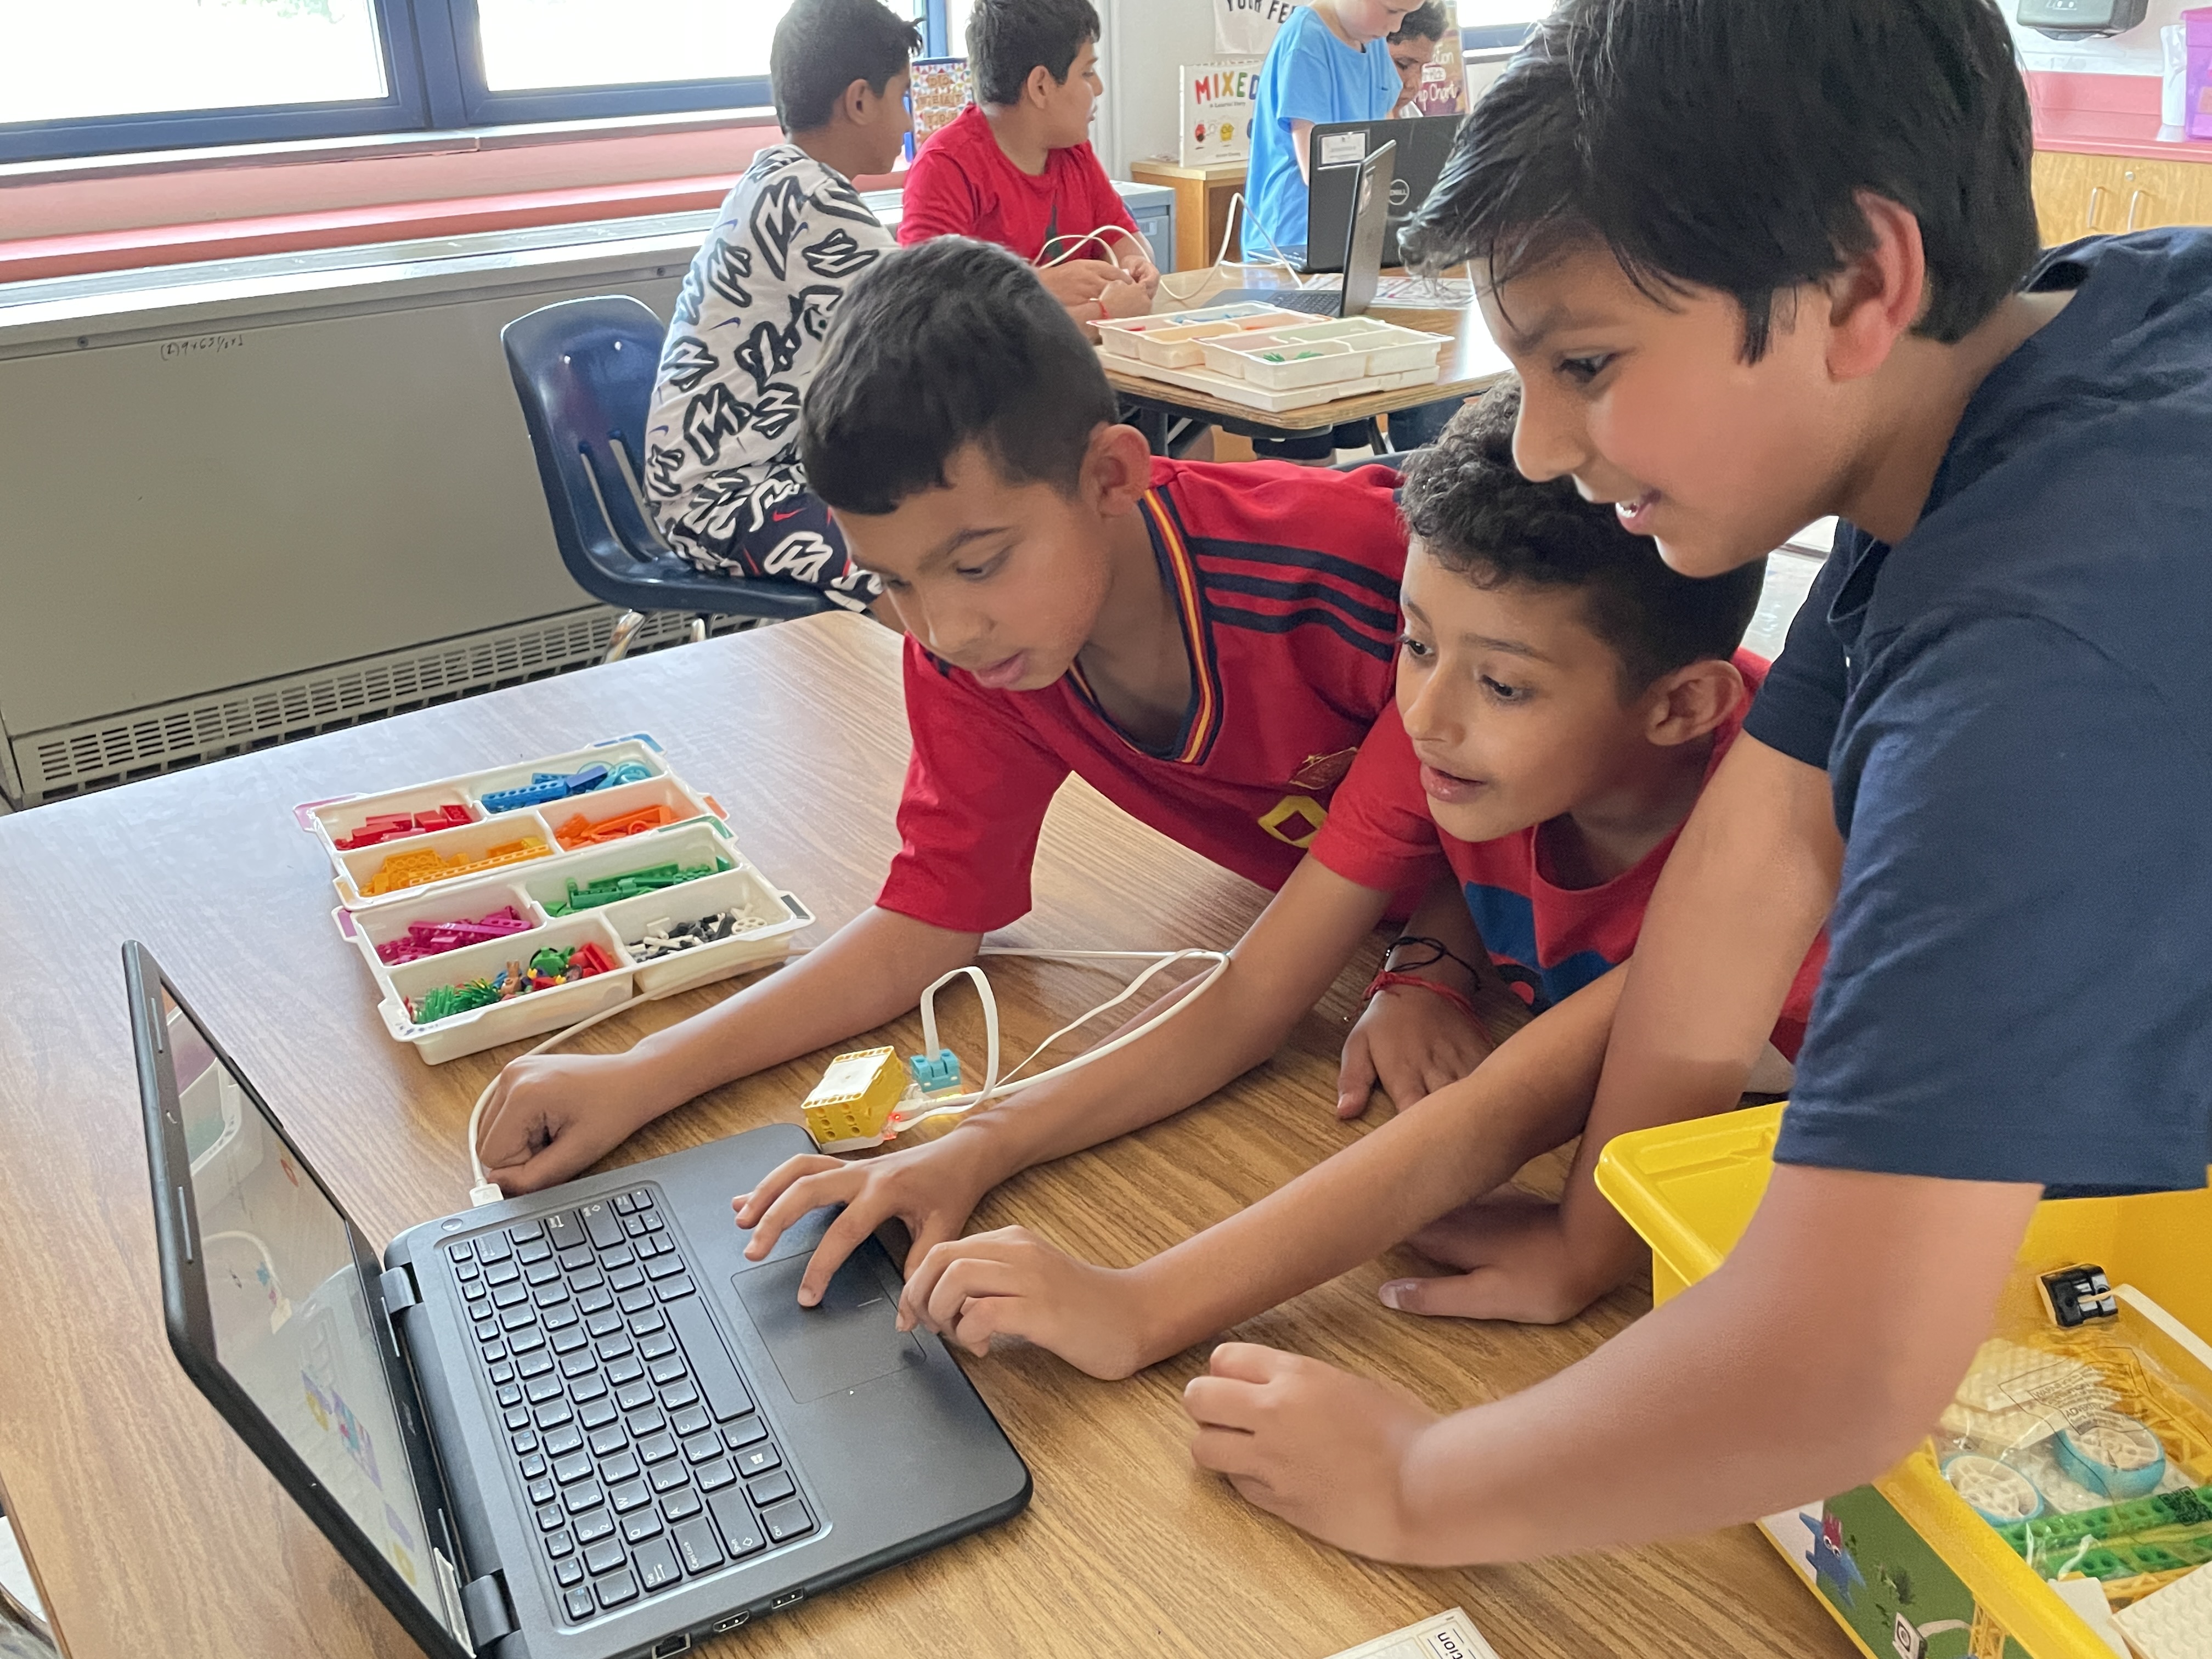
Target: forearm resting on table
1276	973
870	971
1810	1361
1458	1143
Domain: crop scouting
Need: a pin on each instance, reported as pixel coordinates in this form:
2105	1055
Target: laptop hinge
398	1288
490	1615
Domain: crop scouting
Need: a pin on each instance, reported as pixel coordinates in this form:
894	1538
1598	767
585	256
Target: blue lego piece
936	1073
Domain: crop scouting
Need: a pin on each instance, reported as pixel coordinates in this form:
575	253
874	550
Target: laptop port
786	1600
732	1622
672	1645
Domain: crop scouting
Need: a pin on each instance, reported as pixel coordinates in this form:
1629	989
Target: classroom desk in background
1473	364
152	1530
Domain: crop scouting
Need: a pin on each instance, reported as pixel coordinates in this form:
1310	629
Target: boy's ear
1691	701
1117	470
853	103
1878	295
1038	86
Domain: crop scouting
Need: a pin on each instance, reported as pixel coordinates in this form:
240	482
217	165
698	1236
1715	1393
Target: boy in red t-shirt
1016	167
1206	646
1562	698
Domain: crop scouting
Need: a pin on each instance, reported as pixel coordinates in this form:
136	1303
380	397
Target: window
1485	25
93	77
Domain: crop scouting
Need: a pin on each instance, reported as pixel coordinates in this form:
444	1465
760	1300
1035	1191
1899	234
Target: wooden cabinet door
2078	196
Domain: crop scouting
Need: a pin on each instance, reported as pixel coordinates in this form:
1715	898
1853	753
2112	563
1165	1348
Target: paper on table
1450	1635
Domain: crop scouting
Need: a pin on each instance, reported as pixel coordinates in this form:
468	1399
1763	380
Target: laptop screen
290	1318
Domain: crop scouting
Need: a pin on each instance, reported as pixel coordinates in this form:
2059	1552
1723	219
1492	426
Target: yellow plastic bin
1689	1189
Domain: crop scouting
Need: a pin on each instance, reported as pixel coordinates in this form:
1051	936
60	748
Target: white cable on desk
486	1191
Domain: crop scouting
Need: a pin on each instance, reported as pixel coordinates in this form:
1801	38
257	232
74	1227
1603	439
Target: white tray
1250	396
533	886
1126	337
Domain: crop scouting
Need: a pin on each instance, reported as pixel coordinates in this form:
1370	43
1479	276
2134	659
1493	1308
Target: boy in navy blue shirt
1757	265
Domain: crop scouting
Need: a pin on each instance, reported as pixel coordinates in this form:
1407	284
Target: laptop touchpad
849	1338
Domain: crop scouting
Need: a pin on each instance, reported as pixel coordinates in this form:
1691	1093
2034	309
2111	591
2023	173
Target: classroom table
1473	364
152	1530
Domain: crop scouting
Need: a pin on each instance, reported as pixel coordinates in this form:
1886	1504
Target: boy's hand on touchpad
932	1187
1011	1284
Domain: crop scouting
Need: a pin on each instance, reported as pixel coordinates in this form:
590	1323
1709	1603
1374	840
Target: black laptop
1363	254
575	1424
1424	144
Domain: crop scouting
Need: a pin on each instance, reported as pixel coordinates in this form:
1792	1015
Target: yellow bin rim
1690	1189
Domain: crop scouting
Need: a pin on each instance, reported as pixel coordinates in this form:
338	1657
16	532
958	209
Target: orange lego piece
404	870
579	831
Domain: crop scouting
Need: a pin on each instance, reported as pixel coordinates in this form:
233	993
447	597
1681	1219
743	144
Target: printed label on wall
1246	28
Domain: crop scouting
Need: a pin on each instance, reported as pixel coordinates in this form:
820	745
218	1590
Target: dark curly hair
1425	22
1478	517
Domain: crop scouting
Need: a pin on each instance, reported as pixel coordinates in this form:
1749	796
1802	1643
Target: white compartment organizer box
1266	358
609	895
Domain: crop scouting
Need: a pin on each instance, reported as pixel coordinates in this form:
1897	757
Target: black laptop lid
1337	149
1371	217
274	1311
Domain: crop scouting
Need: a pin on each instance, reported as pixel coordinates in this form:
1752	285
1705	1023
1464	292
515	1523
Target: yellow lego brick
855	1096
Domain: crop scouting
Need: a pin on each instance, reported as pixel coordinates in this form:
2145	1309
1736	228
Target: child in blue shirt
1330	63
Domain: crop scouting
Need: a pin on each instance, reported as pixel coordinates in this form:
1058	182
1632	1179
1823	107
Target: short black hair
1479	518
823	46
937	346
1425	22
1007	39
1722	145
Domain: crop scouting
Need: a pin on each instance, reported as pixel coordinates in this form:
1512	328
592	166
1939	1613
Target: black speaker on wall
2081	20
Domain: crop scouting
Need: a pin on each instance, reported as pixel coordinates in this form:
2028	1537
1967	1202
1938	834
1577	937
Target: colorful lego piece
936	1074
608	889
554	965
581	831
404	870
854	1099
391	826
431	938
545	787
2173	1623
666	938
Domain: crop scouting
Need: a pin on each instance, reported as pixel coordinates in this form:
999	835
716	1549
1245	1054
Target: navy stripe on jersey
1266	587
1347	570
1231	616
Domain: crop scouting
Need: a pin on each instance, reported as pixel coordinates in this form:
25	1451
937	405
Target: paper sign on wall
1246	28
1216	111
1444	78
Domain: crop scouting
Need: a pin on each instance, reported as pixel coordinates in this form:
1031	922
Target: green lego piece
552	962
608	889
2187	1508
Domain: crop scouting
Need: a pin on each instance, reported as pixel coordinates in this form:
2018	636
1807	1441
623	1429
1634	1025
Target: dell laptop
1363	253
578	1423
1425	144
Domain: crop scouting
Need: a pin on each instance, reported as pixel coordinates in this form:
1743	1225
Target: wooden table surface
151	1530
1473	364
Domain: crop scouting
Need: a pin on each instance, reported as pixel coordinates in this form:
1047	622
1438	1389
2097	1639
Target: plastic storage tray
536	888
1689	1189
1128	337
1282	364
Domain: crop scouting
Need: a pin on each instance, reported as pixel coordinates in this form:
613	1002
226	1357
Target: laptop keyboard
638	1444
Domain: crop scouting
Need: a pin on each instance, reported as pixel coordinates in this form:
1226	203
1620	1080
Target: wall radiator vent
97	754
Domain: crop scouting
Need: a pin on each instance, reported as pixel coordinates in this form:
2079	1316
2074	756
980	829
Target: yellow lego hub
855	1096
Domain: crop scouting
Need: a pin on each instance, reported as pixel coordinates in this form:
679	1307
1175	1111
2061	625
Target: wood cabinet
1202	199
2078	195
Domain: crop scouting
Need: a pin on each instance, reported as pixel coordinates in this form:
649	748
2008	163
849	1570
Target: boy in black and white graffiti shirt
722	471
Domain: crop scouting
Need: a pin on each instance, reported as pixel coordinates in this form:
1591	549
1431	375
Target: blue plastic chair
584	371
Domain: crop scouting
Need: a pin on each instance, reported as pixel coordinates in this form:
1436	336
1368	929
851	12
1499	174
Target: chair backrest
583	369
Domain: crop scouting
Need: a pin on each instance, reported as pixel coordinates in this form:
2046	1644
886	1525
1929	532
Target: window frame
405	109
433	64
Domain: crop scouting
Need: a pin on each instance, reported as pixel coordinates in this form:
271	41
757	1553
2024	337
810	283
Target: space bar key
711	1370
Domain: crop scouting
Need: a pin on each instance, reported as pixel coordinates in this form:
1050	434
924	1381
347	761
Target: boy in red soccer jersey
1562	698
1206	646
1016	167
